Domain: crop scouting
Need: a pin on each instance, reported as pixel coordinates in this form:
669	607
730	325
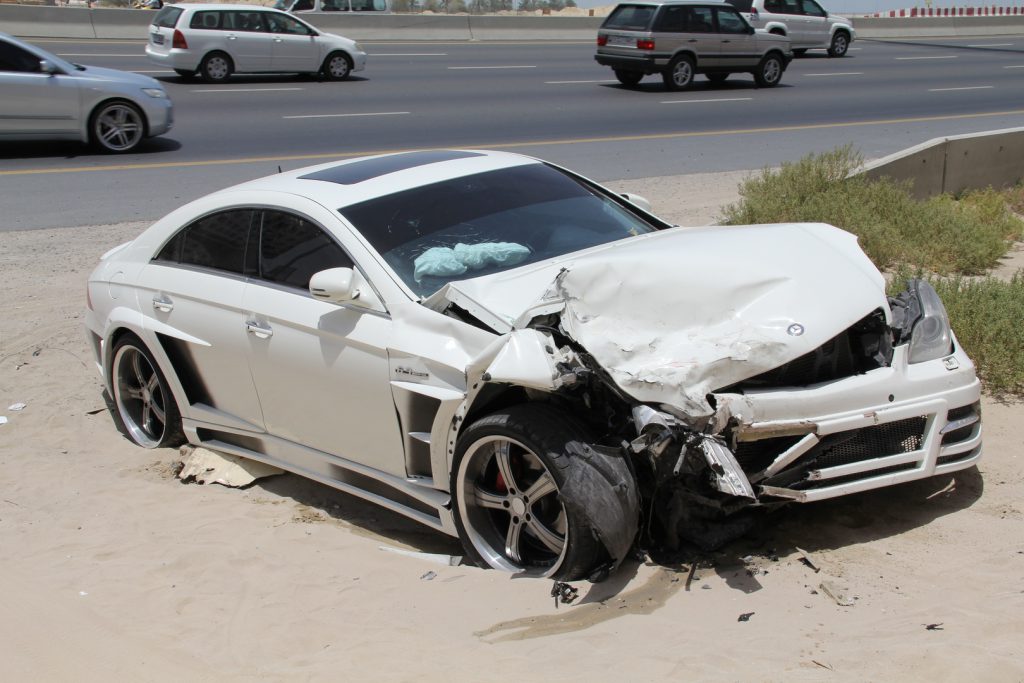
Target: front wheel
337	67
117	127
840	44
679	75
143	398
510	508
769	71
628	78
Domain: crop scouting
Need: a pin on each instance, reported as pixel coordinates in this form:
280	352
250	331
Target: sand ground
112	570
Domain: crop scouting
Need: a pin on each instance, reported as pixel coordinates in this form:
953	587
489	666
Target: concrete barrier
77	22
956	164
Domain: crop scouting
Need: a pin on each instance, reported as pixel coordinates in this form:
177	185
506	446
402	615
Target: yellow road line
514	145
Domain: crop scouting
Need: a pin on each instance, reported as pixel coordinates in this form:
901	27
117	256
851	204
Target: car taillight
602	41
179	40
642	44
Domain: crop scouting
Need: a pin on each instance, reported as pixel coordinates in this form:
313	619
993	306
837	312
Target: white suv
806	23
218	40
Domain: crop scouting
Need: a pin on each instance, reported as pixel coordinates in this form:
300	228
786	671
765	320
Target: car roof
221	6
338	184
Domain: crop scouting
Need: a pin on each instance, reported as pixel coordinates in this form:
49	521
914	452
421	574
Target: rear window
630	18
167	17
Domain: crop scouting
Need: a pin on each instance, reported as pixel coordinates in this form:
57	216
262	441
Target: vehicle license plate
621	40
158	39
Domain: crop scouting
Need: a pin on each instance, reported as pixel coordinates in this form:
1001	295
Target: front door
321	369
294	47
34	101
738	45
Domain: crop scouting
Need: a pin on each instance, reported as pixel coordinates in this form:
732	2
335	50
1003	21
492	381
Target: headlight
931	337
155	92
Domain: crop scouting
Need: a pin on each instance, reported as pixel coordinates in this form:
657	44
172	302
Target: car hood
115	76
673	315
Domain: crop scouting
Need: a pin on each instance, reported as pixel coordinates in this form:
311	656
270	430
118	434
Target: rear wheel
679	75
337	67
117	127
717	79
769	71
840	44
628	78
507	492
216	67
143	398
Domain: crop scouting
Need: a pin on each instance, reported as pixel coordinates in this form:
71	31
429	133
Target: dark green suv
682	38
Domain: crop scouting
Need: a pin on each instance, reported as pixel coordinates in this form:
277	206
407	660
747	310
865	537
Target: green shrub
941	235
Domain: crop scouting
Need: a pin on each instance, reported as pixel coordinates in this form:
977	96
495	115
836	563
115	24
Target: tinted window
698	20
302	5
279	23
13	58
207	20
488	222
630	18
242	21
217	241
167	17
781	6
670	20
812	8
729	21
292	250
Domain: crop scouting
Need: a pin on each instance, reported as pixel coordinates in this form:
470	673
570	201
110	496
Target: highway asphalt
547	100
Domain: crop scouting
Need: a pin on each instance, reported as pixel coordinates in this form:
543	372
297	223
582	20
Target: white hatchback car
510	353
219	40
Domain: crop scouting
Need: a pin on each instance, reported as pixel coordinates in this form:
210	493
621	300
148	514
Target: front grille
754	456
869	443
853	446
864	346
964	433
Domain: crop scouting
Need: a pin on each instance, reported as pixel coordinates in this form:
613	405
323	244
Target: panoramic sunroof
357	172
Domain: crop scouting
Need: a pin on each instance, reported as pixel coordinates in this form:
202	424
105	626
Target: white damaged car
510	353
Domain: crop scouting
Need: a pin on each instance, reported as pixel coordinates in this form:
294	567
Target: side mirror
47	67
342	286
637	200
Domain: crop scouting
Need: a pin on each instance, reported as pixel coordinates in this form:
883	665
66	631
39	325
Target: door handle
726	41
261	331
232	37
692	40
162	303
277	40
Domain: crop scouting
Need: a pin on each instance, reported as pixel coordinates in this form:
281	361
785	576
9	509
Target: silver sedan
45	97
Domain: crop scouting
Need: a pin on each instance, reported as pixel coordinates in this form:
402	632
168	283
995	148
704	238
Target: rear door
34	101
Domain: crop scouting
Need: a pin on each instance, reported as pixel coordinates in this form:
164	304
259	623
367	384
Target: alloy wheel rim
119	127
139	397
771	71
682	73
217	68
509	505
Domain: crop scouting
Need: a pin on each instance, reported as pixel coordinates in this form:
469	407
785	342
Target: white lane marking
973	87
993	45
406	54
338	116
569	82
94	54
840	73
456	68
164	71
907	59
722	99
1014	66
244	90
853	49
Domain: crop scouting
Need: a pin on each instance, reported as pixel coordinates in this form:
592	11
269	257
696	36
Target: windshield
630	18
489	222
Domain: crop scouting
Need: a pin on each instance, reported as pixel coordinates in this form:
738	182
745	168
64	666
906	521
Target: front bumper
885	427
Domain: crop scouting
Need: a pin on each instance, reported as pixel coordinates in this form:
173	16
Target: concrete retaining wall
955	164
76	22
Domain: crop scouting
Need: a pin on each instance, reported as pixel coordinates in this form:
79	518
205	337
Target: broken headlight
931	337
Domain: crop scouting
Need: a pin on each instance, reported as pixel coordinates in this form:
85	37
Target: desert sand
113	570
